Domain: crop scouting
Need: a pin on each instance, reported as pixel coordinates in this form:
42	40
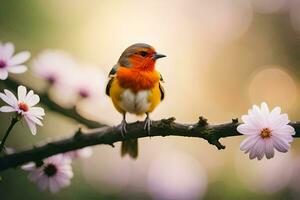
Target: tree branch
51	105
110	135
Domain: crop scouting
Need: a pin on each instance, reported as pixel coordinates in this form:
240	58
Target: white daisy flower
10	62
24	105
265	131
53	66
54	173
85	152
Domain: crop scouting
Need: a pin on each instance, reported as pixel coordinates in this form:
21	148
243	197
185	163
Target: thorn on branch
235	121
217	144
202	121
212	139
78	135
112	145
39	163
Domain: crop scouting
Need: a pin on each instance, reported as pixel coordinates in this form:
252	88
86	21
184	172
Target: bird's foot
123	128
147	125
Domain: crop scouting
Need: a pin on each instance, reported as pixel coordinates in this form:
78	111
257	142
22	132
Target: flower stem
12	123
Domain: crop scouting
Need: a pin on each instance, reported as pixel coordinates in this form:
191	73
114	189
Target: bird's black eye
143	53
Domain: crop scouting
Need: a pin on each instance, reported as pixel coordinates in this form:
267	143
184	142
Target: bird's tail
130	147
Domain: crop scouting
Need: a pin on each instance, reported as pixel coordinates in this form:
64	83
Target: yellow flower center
265	133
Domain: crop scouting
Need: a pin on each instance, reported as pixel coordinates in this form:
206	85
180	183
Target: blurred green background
223	56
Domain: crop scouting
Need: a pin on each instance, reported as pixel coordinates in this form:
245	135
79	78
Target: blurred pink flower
54	173
86	81
54	66
265	131
80	153
295	177
10	62
176	176
24	106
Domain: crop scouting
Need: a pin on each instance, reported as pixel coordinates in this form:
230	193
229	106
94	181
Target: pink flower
86	82
10	62
80	153
54	66
24	105
176	176
54	173
265	131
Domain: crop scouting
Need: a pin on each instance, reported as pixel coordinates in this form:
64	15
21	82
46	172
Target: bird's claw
147	125
123	128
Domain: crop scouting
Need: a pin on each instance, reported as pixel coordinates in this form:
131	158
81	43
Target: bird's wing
113	70
108	86
161	88
111	76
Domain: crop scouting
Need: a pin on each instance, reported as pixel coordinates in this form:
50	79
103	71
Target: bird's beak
157	56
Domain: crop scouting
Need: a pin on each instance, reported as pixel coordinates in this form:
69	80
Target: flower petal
29	94
280	144
32	100
260	149
3	74
247	129
22	93
248	120
18	69
287	137
19	58
249	142
63	181
43	182
278	121
257	151
7	100
7	109
67	172
276	111
12	97
264	109
7	51
28	167
35	175
54	186
252	153
31	125
37	111
257	116
285	130
269	148
34	119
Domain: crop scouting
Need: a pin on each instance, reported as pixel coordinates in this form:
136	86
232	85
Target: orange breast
136	79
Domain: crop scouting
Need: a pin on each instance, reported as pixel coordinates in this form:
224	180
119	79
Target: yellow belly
137	103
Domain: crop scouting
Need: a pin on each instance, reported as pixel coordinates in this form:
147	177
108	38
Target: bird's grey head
140	52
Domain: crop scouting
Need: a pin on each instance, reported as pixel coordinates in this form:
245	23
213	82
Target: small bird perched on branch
135	87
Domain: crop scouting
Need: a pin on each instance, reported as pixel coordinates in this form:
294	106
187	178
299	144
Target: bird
135	87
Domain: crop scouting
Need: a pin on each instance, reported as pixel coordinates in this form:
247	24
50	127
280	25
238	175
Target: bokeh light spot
273	85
